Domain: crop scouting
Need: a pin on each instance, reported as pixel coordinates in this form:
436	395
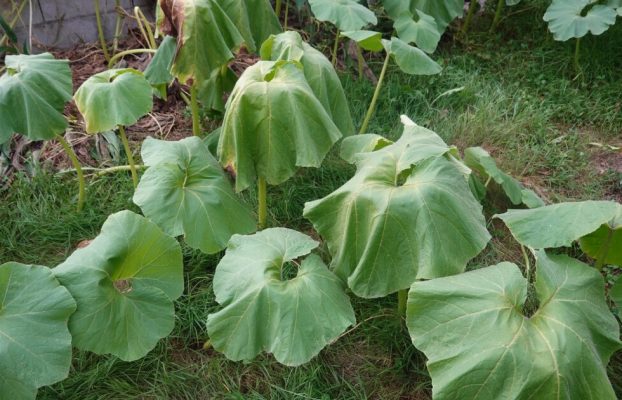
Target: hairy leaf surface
558	225
124	282
113	97
186	192
480	344
33	93
274	123
293	319
567	18
319	72
347	15
407	214
35	344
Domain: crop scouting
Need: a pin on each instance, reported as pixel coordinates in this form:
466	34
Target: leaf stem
277	8
100	30
128	152
527	264
360	60
498	13
336	47
76	164
374	100
577	56
117	27
262	202
194	107
402	300
122	54
469	17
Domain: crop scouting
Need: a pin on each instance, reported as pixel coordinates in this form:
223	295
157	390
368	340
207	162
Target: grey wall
63	23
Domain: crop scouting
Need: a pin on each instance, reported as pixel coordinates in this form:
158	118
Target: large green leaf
263	311
421	30
480	161
319	72
560	224
35	344
575	18
206	37
410	59
33	93
407	214
113	97
481	345
347	15
186	193
367	40
605	244
443	11
255	20
274	123
362	143
124	282
158	71
212	91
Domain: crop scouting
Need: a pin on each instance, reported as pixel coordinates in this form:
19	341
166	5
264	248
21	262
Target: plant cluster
407	222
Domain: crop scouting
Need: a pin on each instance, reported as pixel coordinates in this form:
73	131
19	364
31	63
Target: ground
519	98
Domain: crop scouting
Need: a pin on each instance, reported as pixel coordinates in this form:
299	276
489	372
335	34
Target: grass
520	100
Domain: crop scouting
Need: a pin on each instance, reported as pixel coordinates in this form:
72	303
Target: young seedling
409	59
33	91
114	99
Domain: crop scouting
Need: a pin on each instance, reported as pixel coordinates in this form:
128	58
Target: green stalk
600	262
498	13
145	27
78	167
374	100
277	8
100	30
128	152
335	48
402	300
194	107
262	202
527	264
113	60
469	17
286	14
577	55
117	27
360	59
